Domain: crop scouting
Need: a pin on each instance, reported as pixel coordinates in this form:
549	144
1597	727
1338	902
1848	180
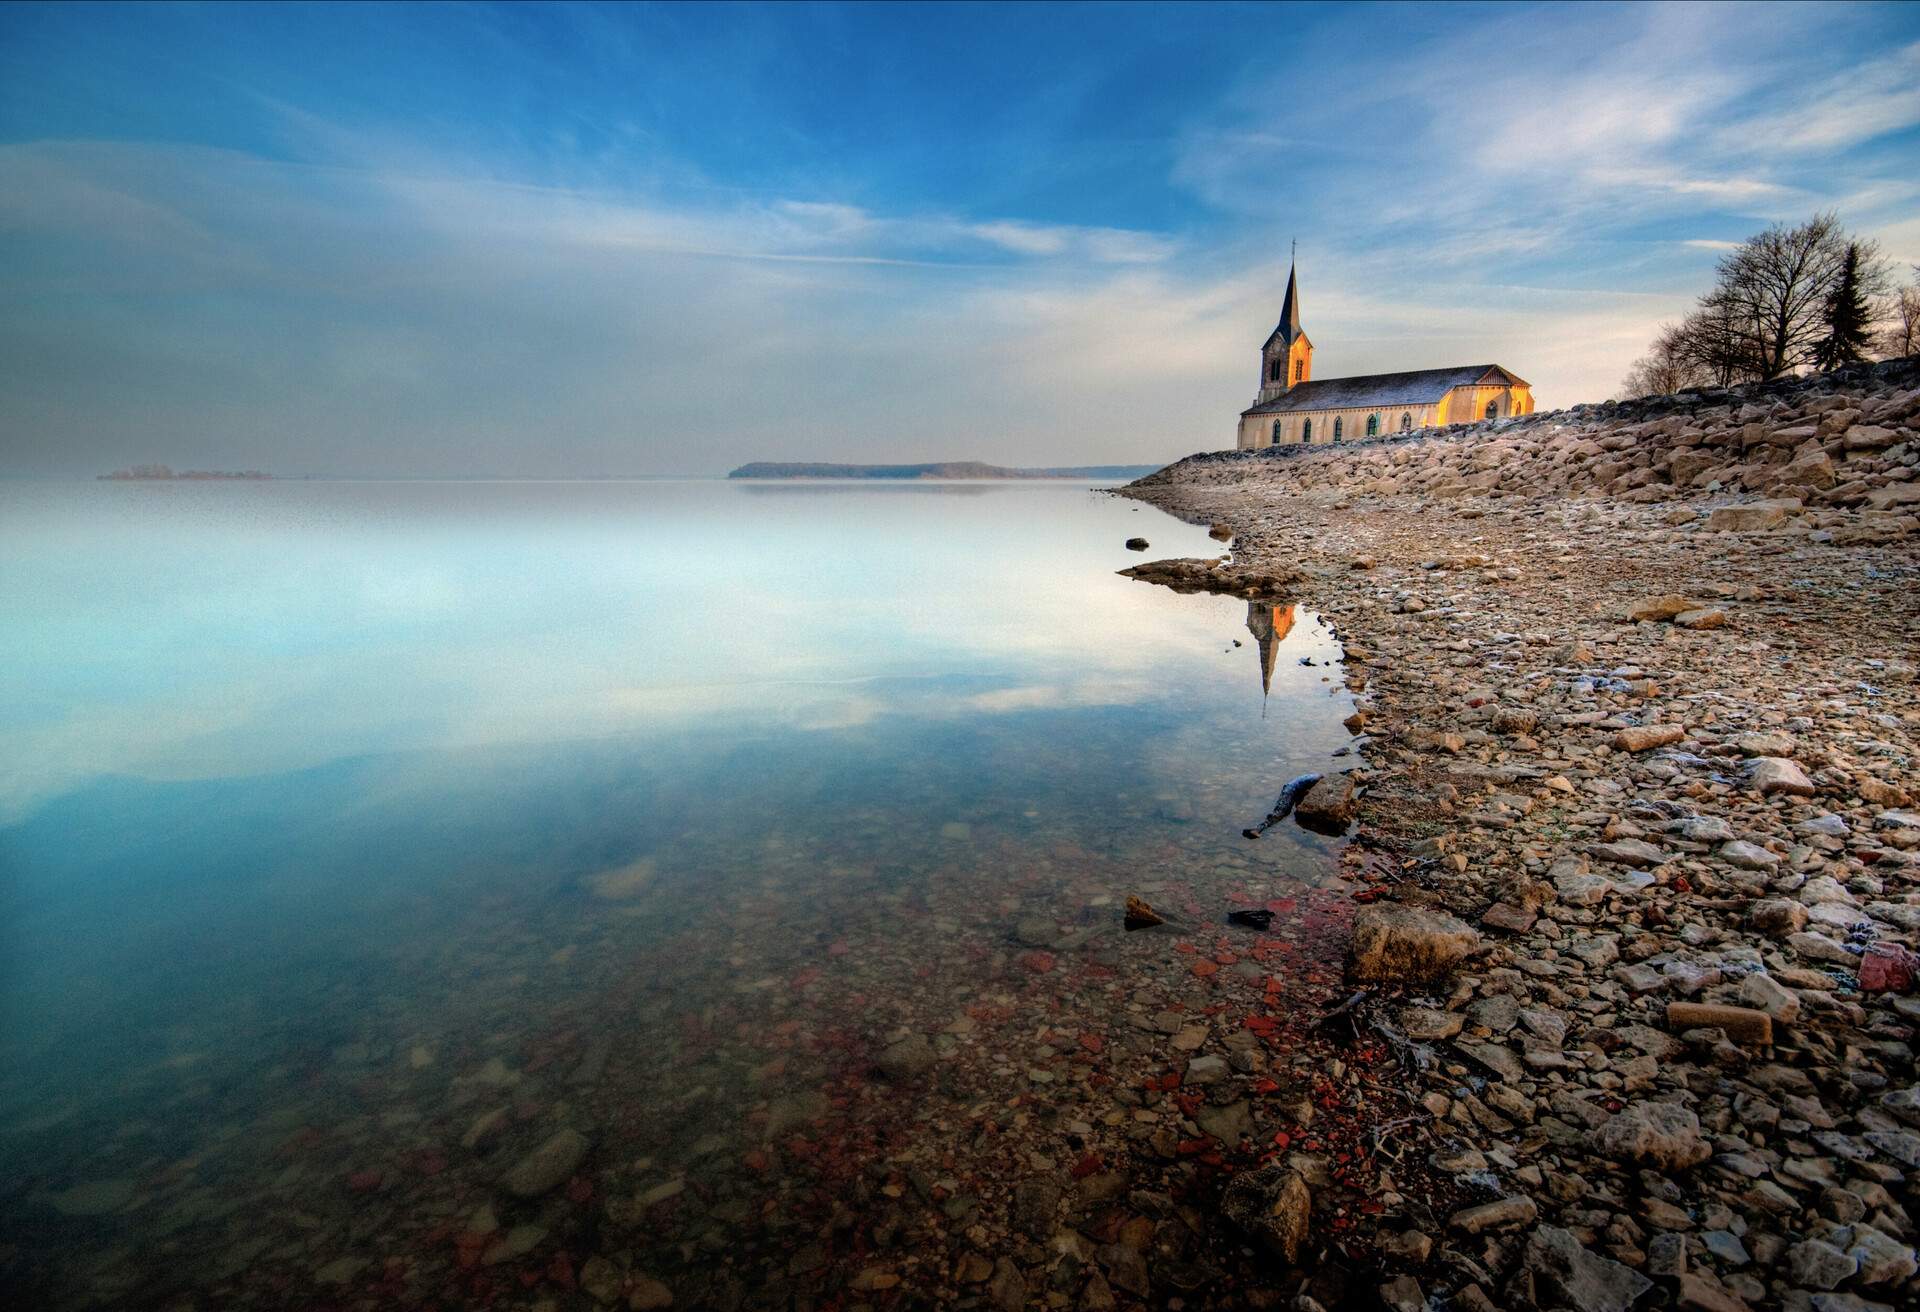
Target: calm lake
454	894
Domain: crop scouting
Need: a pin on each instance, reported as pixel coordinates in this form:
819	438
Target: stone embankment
1639	834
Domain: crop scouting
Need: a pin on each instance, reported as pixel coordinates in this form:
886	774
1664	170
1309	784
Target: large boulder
1396	943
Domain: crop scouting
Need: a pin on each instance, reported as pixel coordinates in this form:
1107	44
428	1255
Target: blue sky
601	240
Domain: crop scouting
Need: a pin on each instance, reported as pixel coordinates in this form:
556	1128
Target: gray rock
1812	1264
1743	855
1403	1294
1881	1259
1563	1268
1769	775
1629	852
546	1167
1206	1070
1657	1134
1228	1124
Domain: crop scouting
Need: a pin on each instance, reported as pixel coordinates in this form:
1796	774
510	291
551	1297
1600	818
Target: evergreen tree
1848	321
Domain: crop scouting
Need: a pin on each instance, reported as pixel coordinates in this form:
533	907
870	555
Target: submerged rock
546	1167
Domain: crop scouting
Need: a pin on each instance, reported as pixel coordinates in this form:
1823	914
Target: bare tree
1776	286
1668	366
1900	335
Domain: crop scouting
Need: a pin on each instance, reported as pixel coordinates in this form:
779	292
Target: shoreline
1580	789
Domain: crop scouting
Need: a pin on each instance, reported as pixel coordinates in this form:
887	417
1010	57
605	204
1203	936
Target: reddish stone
1038	962
1204	968
1888	968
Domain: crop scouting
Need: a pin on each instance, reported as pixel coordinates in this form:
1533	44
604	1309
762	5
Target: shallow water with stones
364	842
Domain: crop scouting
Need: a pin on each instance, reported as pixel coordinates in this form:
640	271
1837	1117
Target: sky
561	241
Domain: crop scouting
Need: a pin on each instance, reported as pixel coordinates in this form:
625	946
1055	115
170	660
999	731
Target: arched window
1306	427
1373	425
1299	366
1336	423
1406	422
1493	406
1276	427
1273	370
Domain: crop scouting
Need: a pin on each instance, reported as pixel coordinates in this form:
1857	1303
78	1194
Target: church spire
1289	329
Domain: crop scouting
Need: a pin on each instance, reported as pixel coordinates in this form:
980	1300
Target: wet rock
1328	805
1391	942
1570	1275
1136	544
546	1167
1272	1207
1036	1201
906	1059
517	1242
649	1295
1270	583
1140	915
1007	1290
94	1198
1657	1134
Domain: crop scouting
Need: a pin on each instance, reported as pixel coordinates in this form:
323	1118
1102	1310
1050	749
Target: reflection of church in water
1270	623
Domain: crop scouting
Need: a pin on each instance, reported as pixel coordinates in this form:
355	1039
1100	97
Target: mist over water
334	814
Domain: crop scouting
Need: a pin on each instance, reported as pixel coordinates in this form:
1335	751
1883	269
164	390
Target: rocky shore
1637	843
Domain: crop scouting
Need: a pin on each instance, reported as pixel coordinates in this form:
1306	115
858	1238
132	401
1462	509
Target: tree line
1793	298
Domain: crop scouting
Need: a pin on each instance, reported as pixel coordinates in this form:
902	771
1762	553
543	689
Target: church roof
1288	330
1414	387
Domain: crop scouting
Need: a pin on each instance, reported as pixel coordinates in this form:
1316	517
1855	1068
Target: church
1294	406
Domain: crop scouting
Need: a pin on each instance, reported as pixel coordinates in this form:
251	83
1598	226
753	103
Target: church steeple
1287	357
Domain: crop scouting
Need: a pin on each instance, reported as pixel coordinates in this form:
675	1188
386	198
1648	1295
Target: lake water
367	849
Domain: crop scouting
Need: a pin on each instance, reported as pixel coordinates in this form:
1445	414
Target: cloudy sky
556	240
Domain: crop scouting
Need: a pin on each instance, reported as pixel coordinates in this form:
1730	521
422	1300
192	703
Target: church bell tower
1287	358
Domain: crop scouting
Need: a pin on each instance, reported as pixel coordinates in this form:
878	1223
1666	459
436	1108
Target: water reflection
362	839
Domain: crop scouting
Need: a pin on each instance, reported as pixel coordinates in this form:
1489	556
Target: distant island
161	473
940	469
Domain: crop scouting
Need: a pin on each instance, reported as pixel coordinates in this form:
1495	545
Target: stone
1771	775
1660	608
94	1198
1328	805
1764	993
1697	1292
1629	852
1501	1214
1403	1294
1812	1264
517	1242
1425	1025
1646	737
1880	1259
1583	890
649	1295
1581	1280
547	1166
1888	968
1229	1124
1206	1070
1752	517
1391	942
1140	915
1706	617
1036	1201
1742	855
1742	1024
906	1059
1272	1207
1778	916
1661	1135
1506	916
1007	1290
